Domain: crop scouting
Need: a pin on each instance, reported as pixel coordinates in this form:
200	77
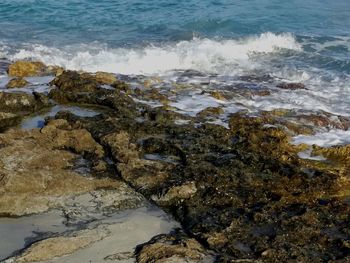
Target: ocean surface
304	41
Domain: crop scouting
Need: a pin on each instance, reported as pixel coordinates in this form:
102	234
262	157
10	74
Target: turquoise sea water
298	40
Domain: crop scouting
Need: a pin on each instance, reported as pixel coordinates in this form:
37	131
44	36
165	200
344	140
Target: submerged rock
292	86
17	83
27	69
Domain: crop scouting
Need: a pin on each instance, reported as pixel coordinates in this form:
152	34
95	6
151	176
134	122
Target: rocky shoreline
234	192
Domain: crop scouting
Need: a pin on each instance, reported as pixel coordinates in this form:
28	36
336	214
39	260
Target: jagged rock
175	247
72	81
27	69
17	83
36	168
17	102
8	119
177	194
105	78
56	70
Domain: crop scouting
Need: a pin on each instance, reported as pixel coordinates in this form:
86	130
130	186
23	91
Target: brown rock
105	78
73	81
36	168
178	193
170	248
59	246
210	111
17	83
217	95
27	69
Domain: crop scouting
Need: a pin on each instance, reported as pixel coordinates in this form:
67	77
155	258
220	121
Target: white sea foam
206	55
324	139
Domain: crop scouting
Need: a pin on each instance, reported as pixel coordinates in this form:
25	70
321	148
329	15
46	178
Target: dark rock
292	86
17	102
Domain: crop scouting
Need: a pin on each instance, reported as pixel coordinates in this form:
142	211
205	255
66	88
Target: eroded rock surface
241	192
34	168
24	68
17	83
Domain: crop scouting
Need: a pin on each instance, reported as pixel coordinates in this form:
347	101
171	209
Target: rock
105	78
56	70
217	95
17	102
178	193
292	86
59	246
175	247
138	172
36	168
72	81
210	111
27	69
8	119
79	140
17	83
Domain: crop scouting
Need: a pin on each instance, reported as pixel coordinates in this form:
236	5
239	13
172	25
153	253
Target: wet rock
175	247
72	81
217	95
152	81
8	119
17	83
242	192
210	111
140	173
36	168
27	69
177	194
56	70
59	246
292	86
18	102
105	78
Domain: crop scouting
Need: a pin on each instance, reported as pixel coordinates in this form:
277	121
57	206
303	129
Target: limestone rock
17	102
178	193
175	247
27	69
105	78
60	246
7	119
210	111
17	83
73	81
36	168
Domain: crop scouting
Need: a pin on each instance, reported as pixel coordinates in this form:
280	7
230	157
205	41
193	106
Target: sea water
304	41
